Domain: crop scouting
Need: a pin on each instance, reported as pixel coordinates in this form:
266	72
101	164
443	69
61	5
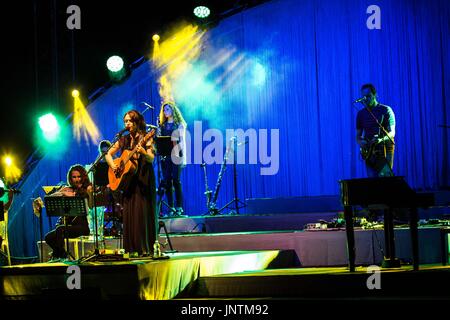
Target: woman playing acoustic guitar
139	191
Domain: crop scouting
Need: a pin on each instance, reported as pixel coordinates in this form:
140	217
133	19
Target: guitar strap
380	126
384	144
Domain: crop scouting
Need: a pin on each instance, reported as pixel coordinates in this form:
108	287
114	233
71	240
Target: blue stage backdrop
295	66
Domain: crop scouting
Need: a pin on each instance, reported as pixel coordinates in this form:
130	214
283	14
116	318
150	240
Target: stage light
51	135
116	68
49	127
114	64
201	12
8	160
75	93
83	125
175	55
3	194
155	37
48	123
12	172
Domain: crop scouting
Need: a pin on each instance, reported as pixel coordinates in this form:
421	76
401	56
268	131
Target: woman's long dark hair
138	119
85	182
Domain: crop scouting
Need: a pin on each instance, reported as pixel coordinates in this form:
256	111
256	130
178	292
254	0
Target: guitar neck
130	155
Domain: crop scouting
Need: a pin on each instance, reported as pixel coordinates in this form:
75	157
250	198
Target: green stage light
48	123
114	64
51	135
49	126
201	12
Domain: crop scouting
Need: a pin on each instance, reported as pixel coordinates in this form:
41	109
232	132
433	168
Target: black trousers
55	238
171	179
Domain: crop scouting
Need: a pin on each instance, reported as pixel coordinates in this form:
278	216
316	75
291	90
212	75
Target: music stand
164	147
101	174
60	206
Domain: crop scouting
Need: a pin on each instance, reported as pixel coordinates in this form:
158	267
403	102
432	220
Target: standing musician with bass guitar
375	131
133	174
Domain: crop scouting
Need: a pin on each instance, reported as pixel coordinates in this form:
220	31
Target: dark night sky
44	60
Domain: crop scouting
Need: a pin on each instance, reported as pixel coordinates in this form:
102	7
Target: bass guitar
126	166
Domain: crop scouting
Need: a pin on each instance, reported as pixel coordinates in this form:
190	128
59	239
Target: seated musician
79	185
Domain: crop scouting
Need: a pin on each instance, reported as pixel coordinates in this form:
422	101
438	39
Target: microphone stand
92	169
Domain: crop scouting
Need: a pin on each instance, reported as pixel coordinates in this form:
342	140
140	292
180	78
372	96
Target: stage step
325	283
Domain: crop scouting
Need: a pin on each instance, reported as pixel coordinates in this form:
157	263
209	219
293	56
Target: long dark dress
139	206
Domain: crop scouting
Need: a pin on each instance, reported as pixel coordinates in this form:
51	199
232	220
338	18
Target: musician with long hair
78	185
139	195
171	123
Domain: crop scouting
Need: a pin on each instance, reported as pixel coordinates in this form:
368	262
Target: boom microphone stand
92	169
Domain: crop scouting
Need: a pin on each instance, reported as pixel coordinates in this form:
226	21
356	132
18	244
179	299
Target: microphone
360	99
121	132
147	105
151	126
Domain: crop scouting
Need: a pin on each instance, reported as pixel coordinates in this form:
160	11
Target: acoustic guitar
126	166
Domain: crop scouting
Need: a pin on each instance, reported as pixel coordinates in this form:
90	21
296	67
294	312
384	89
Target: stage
299	264
220	275
144	279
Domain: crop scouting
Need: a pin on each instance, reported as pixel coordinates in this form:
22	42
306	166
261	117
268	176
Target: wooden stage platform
144	279
220	275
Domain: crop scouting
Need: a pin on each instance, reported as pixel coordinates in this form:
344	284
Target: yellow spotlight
83	125
75	93
8	160
12	173
176	54
155	37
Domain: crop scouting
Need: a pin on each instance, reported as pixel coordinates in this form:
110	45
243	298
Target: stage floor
144	279
221	275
